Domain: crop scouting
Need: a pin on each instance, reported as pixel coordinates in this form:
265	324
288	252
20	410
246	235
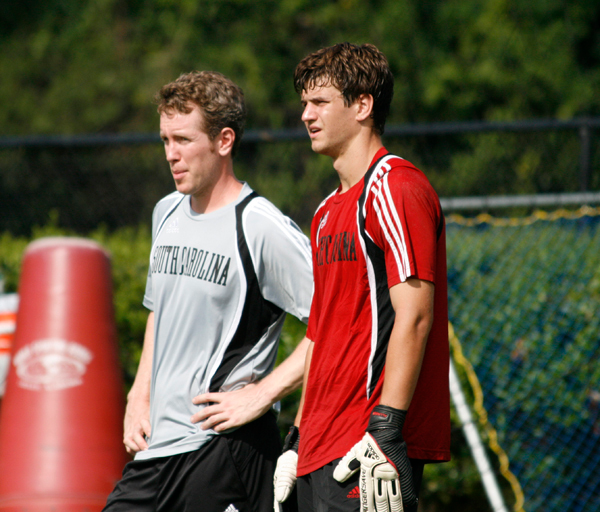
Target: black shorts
319	492
233	472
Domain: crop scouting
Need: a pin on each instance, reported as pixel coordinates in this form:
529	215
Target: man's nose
308	113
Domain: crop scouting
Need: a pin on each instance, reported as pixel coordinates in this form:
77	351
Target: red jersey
385	229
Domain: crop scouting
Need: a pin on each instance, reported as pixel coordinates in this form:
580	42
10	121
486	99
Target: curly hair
353	70
220	100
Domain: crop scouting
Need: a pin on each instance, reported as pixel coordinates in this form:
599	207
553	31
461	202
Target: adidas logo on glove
370	453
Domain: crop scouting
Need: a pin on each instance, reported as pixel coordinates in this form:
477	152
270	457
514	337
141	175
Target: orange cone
8	321
61	417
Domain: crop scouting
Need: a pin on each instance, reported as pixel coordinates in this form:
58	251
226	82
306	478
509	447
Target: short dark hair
220	100
354	70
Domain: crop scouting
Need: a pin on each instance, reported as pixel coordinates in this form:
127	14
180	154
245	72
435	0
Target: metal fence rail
451	204
584	126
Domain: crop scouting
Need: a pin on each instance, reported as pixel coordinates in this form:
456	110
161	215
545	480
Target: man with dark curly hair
376	405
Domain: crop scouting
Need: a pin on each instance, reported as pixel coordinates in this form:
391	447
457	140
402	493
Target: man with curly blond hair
225	267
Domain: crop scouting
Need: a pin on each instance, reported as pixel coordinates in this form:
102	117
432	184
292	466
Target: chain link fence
524	303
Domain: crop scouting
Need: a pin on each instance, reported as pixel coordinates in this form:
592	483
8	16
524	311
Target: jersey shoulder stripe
382	311
379	196
165	205
164	208
284	225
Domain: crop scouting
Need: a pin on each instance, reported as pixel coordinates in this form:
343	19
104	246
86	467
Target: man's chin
321	149
182	189
317	147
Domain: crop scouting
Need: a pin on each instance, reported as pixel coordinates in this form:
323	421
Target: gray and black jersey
219	284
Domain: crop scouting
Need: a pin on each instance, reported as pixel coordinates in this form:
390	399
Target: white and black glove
284	479
386	483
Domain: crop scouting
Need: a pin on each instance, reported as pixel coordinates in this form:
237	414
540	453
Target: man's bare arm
308	360
137	414
413	303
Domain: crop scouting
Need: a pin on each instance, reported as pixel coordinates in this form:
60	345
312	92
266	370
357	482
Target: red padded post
61	417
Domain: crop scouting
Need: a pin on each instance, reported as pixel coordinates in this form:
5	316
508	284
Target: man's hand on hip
230	409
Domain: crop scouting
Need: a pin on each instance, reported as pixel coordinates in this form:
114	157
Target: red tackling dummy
61	419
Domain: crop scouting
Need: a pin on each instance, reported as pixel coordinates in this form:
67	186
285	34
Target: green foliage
129	248
94	65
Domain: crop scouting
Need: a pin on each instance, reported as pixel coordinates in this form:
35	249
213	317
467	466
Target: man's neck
354	162
223	192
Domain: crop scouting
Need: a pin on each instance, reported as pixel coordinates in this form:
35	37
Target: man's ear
226	139
364	105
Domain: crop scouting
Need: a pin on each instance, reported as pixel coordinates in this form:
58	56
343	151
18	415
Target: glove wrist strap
384	416
292	440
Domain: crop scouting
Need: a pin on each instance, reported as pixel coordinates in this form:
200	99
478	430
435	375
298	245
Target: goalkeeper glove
284	479
385	474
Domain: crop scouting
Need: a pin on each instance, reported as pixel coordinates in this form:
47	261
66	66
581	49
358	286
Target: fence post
488	478
585	136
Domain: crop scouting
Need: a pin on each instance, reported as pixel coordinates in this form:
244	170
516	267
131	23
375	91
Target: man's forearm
413	304
307	362
136	424
288	376
141	384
